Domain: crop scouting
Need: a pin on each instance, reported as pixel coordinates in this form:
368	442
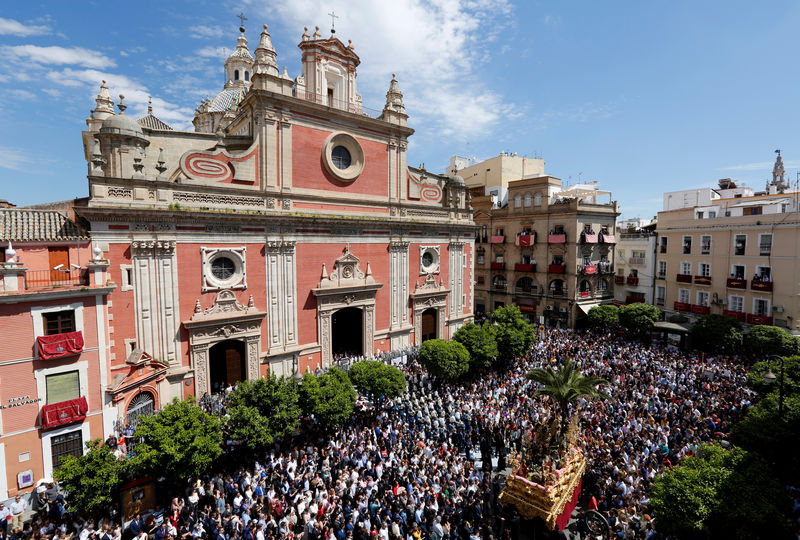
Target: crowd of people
429	464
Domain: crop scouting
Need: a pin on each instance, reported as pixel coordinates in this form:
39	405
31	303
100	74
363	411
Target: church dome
457	181
122	124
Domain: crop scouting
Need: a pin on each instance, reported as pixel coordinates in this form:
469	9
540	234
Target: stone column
200	365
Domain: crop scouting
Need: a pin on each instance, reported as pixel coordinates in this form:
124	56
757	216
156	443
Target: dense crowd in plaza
421	466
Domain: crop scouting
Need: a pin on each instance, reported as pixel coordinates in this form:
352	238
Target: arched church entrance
226	364
347	328
429	324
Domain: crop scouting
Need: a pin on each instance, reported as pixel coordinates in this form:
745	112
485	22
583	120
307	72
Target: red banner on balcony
65	412
497	239
57	345
738	315
590	269
759	319
608	239
700	310
556	268
524	240
683	306
557	238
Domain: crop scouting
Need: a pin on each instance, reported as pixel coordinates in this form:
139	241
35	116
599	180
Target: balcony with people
588	236
606	237
557	235
526	265
558	288
525	238
762	280
557	266
499	284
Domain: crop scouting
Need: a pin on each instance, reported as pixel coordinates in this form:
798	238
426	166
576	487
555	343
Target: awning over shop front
587	306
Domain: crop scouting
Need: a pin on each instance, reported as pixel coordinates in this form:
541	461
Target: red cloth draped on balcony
60	344
563	519
64	412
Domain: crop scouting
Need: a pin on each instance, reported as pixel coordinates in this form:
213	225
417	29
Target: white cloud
55	55
10	27
203	31
132	50
436	47
212	52
13	158
760	166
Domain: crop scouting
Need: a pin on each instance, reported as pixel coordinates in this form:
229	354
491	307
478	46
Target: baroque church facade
286	229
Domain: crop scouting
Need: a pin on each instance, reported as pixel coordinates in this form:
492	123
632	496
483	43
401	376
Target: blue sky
642	97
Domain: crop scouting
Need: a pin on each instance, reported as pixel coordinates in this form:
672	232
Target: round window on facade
343	156
340	157
427	259
223	268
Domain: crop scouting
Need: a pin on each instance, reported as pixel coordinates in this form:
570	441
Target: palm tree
566	386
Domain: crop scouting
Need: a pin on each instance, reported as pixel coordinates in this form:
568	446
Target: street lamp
769	378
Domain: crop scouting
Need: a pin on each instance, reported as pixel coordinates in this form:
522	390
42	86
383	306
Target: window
765	244
526	259
63	386
527	200
736	303
126	271
637	254
699	215
485	233
481	259
517	201
661	293
223	268
602	285
662	269
236	75
481	280
761	307
662	244
330	97
429	259
59	322
499	259
739	244
752	211
764	273
738	271
537	199
702	298
340	157
69	444
683	296
686	268
633	272
705	270
499	232
705	244
247	75
687	245
558	229
712	214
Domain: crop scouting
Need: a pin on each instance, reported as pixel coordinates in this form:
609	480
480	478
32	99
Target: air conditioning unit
562	309
779	309
548	308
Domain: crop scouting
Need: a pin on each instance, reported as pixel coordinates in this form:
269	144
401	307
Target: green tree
260	410
566	386
791	376
513	333
776	438
480	343
605	315
330	397
719	494
714	331
180	441
445	359
378	380
91	480
767	340
638	317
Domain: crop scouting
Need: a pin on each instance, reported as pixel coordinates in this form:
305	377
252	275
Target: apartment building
735	254
635	263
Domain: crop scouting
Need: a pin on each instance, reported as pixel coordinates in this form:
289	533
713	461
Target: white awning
762	202
589	305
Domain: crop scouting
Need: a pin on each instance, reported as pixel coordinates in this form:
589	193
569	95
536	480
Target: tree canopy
605	315
480	342
711	332
376	379
791	376
92	479
263	409
445	359
179	441
513	333
638	317
719	494
330	397
767	340
566	386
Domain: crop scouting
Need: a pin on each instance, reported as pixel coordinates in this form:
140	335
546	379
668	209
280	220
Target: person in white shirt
17	508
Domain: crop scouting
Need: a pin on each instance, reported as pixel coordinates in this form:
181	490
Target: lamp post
769	378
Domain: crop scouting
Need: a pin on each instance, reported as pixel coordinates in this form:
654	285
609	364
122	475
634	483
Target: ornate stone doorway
227	320
429	297
226	361
429	317
347	286
347	327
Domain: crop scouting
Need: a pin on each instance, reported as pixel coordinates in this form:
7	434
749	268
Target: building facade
635	265
549	250
54	313
735	255
286	230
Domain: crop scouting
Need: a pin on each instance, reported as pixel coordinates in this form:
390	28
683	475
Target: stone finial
324	272
161	165
138	164
251	303
316	35
197	307
97	159
266	57
305	35
97	253
103	101
10	253
150	105
121	105
369	270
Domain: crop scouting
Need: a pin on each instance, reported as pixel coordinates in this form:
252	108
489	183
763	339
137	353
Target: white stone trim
38	311
352	145
432	268
47	456
126	273
769	305
237	255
